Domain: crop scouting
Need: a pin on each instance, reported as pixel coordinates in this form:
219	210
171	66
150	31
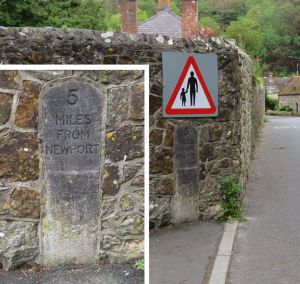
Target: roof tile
165	22
292	88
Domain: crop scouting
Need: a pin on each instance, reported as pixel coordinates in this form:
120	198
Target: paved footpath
185	254
115	274
267	246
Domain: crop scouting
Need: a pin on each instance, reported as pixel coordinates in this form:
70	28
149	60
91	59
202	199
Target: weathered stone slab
111	180
27	110
137	101
18	243
162	161
70	131
25	202
186	199
164	186
5	200
5	107
117	106
126	143
9	79
18	156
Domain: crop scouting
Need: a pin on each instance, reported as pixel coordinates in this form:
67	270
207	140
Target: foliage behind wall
269	30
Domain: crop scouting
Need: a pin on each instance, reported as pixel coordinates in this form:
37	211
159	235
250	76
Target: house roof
166	22
292	87
279	82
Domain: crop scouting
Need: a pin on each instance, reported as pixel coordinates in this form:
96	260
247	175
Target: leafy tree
142	15
224	11
267	29
247	33
87	14
114	22
210	22
20	13
149	6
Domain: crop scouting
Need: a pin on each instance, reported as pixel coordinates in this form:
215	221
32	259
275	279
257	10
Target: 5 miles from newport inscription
71	125
72	141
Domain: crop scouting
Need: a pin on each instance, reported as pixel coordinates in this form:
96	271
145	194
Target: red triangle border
191	61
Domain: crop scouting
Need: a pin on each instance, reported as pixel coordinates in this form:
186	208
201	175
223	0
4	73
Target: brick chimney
128	10
270	76
190	26
162	4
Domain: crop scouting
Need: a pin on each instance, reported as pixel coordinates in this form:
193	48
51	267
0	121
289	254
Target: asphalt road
267	246
185	254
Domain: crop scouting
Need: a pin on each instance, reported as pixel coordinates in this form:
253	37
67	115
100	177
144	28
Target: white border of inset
55	67
144	68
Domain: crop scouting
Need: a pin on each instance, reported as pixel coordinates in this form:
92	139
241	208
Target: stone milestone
70	131
185	203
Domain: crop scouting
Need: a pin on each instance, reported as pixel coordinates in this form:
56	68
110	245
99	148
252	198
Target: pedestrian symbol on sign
191	95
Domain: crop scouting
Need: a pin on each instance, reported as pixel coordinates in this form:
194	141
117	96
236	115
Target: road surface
267	246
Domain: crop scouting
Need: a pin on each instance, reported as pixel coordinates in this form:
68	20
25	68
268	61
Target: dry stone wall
225	143
42	224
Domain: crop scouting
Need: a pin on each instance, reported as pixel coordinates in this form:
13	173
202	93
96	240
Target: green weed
231	200
140	264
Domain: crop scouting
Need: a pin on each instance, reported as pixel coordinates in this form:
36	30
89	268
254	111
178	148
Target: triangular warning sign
191	95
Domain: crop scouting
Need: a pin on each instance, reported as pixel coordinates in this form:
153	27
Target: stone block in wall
156	136
118	77
132	224
27	110
124	59
130	170
162	186
9	79
209	211
225	114
5	200
160	121
5	107
111	243
45	75
169	136
226	151
127	202
25	203
160	212
18	243
202	171
108	207
156	70
126	143
221	166
123	223
117	106
19	156
111	179
155	104
157	88
110	59
133	249
206	152
137	101
110	221
215	132
162	161
138	181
